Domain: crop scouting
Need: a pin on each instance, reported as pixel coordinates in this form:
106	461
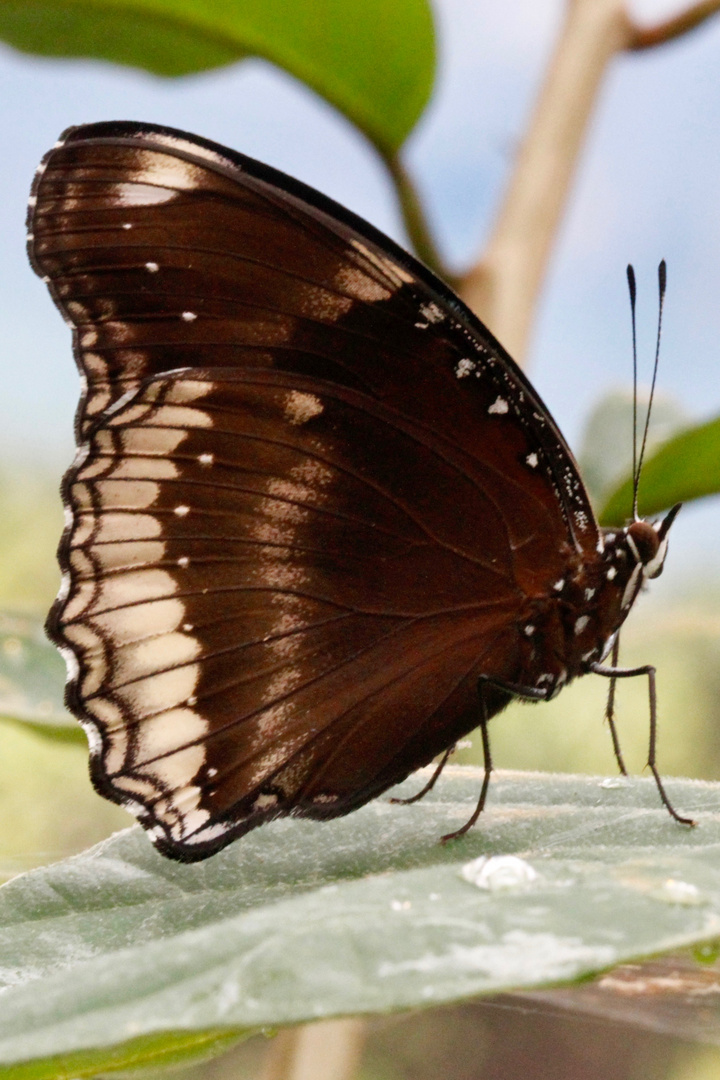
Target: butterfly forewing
312	498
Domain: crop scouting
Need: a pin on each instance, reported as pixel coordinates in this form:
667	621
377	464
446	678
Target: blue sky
647	188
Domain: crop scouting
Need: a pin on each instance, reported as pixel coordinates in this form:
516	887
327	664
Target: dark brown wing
286	564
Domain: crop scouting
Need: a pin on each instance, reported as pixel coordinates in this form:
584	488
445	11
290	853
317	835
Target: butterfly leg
610	708
431	782
649	670
528	693
487	765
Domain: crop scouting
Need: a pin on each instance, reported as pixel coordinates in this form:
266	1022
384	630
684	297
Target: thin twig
415	218
649	37
503	287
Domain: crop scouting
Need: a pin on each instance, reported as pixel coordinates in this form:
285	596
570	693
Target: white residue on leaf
516	956
674	891
498	873
400	905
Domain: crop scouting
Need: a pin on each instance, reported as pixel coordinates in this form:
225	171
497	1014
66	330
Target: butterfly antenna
662	285
632	289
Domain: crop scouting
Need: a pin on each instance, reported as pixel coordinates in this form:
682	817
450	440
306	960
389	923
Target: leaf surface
369	913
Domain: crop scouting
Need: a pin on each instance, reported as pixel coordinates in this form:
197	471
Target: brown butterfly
319	525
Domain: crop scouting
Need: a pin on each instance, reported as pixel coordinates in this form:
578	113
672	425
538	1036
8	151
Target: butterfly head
648	543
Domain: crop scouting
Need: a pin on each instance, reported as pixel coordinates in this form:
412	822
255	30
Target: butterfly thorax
573	625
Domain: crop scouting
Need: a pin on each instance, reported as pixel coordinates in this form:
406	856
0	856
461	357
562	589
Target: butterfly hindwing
247	593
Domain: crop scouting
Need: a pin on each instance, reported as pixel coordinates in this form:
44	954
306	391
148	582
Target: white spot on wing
499	406
183	391
581	623
188	316
135	194
360	286
133	587
397	274
147	658
166	734
265	802
300	407
141	621
115	528
152	267
169	174
532	460
432	312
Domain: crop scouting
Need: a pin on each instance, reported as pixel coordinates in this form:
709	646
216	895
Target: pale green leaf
369	913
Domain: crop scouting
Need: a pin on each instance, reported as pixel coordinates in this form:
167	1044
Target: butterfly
319	526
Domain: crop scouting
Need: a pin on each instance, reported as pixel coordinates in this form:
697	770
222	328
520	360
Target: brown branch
649	37
329	1049
503	287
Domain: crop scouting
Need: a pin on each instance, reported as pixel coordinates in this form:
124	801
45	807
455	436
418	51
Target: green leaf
32	676
605	456
156	1053
686	467
372	59
301	920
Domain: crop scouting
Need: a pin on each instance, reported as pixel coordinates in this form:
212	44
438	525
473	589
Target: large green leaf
605	455
372	59
32	676
118	952
686	467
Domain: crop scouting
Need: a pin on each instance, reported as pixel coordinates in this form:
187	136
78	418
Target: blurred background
646	189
